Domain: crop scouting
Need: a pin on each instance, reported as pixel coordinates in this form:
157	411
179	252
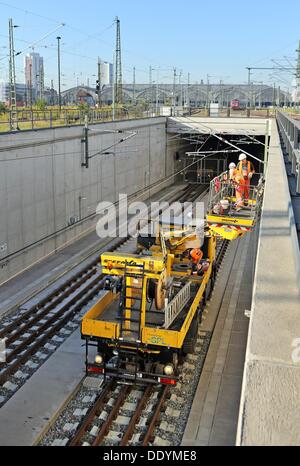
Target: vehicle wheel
190	341
200	312
181	267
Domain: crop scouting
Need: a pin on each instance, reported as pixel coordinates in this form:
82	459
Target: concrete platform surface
214	415
269	411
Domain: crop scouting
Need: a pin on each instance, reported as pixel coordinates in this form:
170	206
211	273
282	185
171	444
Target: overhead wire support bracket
106	151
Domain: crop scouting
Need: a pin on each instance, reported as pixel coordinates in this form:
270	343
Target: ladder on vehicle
130	326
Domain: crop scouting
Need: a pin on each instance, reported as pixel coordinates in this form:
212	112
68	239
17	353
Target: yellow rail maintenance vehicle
147	319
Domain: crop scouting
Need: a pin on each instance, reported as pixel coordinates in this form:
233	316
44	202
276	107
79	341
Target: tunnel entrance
207	157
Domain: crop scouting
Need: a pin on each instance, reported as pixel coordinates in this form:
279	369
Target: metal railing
53	118
177	304
227	112
290	133
222	188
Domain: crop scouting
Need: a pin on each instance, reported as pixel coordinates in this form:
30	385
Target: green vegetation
41	104
3	108
84	108
42	116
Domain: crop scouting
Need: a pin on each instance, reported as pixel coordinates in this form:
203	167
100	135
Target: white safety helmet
232	166
242	157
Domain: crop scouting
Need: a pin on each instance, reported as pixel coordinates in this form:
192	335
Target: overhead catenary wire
40	40
104	151
33	44
29	12
214	134
89	36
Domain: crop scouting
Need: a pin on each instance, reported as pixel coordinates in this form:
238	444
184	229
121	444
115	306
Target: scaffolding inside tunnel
209	150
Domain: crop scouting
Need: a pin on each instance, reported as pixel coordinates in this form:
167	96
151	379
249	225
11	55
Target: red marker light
167	381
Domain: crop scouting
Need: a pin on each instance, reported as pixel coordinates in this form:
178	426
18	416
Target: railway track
121	425
130	415
33	334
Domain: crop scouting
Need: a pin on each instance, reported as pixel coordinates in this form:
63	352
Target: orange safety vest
241	168
240	182
196	255
232	173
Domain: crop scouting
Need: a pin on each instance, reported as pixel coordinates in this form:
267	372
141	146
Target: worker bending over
199	266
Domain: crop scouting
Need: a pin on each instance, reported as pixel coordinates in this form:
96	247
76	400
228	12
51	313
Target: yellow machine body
165	277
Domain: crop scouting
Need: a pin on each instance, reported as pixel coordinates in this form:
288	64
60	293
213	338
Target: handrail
177	304
221	189
290	133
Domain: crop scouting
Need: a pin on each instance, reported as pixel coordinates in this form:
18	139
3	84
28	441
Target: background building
197	95
106	72
34	76
21	90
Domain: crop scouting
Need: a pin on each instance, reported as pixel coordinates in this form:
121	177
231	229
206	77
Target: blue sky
219	38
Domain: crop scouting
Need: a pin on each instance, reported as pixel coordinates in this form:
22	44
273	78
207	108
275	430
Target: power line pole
188	91
133	100
42	90
30	86
298	76
150	87
118	61
207	92
114	91
52	92
249	87
156	95
222	93
12	80
98	87
174	91
58	70
180	87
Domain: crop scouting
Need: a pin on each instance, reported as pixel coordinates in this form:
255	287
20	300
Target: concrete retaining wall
43	185
269	411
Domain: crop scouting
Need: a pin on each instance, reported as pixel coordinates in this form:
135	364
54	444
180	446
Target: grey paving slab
235	360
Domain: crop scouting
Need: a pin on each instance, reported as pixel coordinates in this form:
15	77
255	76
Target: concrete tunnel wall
41	181
269	409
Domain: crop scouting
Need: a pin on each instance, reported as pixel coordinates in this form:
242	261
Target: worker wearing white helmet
246	170
232	171
237	182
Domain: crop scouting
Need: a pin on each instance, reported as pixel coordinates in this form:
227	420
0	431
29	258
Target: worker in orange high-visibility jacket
239	191
246	170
